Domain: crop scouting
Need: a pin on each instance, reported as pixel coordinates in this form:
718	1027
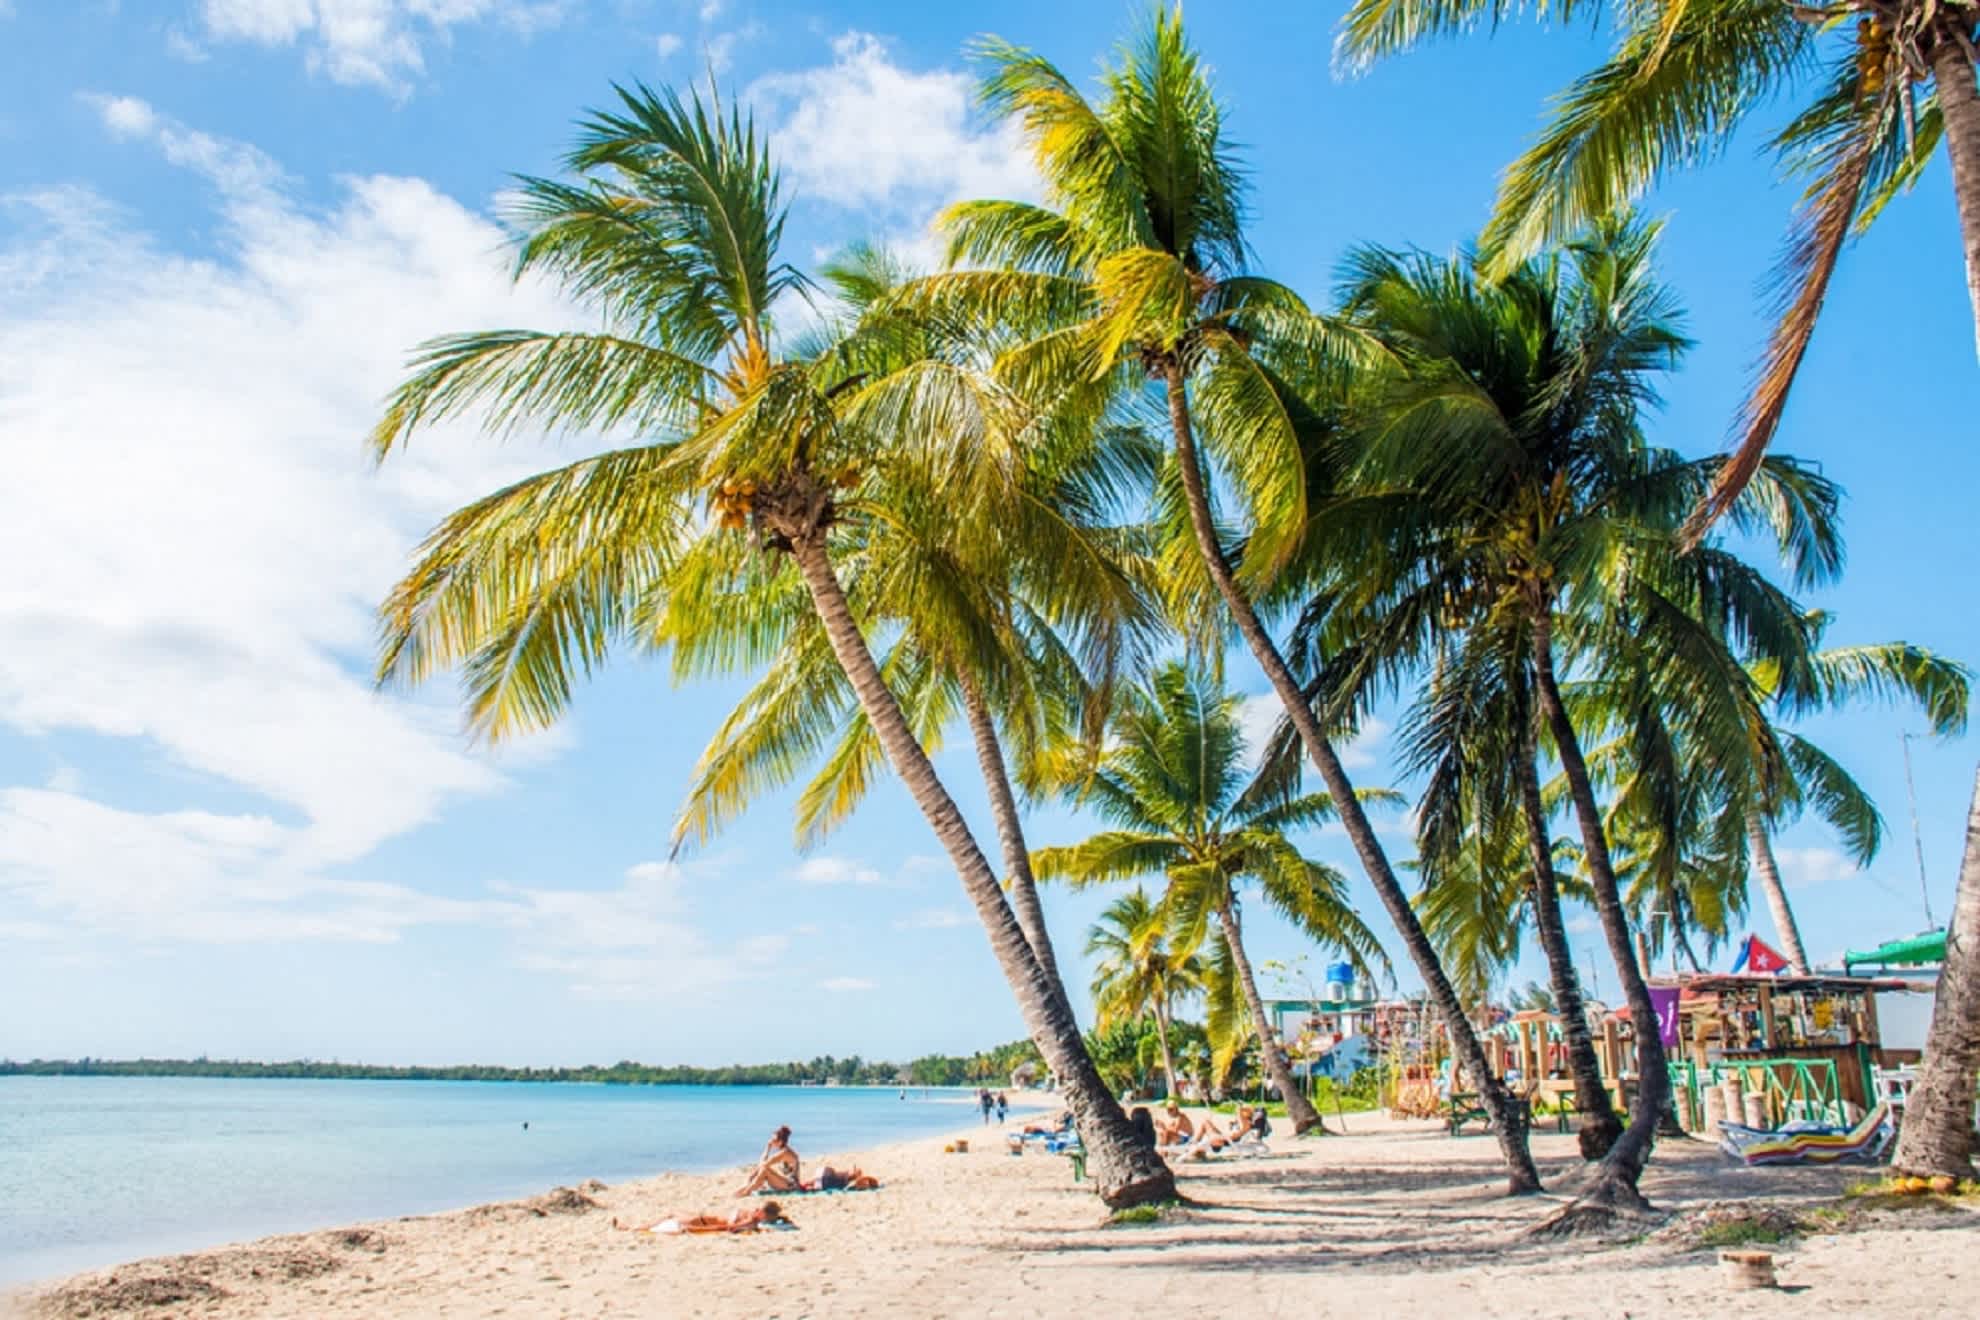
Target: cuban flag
1757	956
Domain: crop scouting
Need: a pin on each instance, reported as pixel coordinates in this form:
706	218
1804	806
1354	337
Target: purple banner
1666	1004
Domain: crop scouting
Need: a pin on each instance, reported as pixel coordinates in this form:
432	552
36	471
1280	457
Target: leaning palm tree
1514	409
1140	974
1683	80
1140	257
1173	784
745	466
1019	633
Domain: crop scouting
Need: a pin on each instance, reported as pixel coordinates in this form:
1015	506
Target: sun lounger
1809	1143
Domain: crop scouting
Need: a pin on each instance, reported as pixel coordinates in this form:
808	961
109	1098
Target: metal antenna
1917	843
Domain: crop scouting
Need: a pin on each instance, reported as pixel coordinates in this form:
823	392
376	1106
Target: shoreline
1394	1216
1022	1104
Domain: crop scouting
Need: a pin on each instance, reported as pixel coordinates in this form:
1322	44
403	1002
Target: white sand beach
1393	1218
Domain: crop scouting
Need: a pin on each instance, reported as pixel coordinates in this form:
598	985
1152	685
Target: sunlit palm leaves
1684	78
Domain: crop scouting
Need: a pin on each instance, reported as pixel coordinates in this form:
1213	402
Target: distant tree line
992	1067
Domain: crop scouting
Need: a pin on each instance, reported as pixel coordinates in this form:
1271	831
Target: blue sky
223	222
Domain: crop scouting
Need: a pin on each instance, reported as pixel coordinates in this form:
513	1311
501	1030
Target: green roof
1927	948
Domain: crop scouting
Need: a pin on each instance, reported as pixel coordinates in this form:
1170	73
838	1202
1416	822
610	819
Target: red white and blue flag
1757	956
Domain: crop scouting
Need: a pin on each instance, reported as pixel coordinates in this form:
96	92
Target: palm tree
670	233
1172	782
1514	409
1022	628
1139	973
1682	82
1140	258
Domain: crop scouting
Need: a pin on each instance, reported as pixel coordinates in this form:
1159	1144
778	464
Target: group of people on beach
778	1169
1176	1131
990	1103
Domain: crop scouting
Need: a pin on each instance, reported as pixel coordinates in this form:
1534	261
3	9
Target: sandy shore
1393	1218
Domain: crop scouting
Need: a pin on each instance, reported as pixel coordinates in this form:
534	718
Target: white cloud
835	871
864	132
931	919
65	779
667	43
847	984
1803	867
126	116
377	42
711	10
224	541
718	51
1259	715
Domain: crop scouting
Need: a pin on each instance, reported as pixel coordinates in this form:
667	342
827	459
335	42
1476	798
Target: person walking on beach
1003	1107
983	1099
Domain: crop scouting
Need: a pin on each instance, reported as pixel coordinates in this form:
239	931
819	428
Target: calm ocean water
96	1170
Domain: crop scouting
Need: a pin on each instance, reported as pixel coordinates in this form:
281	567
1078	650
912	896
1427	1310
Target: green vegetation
991	1068
1742	1233
1142	1216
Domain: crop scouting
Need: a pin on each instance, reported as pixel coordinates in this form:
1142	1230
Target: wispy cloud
379	43
1802	868
931	919
847	984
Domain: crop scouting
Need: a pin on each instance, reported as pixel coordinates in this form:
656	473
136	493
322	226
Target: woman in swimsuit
745	1221
777	1171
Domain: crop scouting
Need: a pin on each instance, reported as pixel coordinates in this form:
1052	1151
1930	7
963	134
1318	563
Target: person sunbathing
835	1180
744	1221
777	1171
1063	1123
1252	1124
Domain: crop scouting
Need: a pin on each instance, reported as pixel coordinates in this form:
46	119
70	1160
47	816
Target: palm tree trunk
1599	1125
1769	876
1521	1176
1126	1172
1010	833
1162	1038
1299	1110
1959	107
1623	1166
1937	1136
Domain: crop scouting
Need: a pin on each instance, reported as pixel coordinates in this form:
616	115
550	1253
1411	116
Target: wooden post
1766	1017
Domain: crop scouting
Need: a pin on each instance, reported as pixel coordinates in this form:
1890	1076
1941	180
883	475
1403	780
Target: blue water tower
1340	976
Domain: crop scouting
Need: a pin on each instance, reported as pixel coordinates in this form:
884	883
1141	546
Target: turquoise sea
97	1170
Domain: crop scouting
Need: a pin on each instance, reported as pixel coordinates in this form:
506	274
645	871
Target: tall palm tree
1682	81
766	465
1140	973
1022	629
1140	256
1514	409
1173	784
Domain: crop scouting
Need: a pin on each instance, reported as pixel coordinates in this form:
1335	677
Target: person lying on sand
777	1171
847	1180
1060	1124
1252	1124
744	1221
